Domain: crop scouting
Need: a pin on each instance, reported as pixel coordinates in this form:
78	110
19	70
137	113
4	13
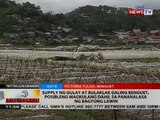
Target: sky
64	6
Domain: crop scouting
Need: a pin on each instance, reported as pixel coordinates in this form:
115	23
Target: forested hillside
87	20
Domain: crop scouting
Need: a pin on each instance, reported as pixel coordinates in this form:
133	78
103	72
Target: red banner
110	86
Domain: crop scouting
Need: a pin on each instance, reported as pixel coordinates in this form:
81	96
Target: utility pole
153	114
115	115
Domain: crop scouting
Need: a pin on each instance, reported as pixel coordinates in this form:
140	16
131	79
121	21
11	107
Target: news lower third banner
80	96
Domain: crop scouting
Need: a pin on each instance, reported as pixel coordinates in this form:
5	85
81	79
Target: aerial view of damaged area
83	41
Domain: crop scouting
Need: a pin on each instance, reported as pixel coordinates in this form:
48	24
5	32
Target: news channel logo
1	95
148	11
24	94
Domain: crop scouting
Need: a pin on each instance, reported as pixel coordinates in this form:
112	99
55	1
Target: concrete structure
1	95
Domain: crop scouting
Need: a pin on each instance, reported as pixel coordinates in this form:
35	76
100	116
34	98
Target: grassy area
74	114
145	60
